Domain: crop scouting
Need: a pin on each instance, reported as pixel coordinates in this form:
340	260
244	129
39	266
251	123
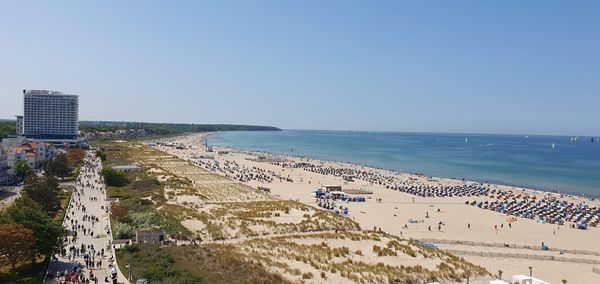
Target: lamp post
530	271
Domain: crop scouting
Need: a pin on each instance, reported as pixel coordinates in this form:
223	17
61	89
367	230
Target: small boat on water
466	140
592	139
553	145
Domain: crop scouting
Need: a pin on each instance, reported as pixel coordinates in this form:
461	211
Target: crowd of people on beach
232	170
548	210
391	181
368	176
80	258
425	190
329	204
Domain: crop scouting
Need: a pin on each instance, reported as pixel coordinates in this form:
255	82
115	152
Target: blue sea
519	160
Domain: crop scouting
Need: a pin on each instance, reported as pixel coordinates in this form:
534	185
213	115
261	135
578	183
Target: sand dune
396	209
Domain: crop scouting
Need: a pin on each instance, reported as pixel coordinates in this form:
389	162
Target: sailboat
466	140
552	145
592	139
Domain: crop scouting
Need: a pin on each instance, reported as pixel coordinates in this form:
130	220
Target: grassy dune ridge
267	240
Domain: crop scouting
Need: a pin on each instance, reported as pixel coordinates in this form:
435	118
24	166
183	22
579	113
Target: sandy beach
446	221
283	239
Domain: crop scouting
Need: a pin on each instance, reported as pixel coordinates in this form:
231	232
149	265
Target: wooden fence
505	245
523	256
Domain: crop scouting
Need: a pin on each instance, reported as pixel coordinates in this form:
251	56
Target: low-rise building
331	187
156	236
31	151
127	168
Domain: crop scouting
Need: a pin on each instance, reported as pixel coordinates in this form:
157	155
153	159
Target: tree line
169	128
31	228
7	127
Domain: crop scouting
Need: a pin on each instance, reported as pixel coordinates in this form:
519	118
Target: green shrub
100	154
123	230
155	264
114	178
144	184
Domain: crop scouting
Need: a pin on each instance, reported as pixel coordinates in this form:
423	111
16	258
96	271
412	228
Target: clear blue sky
442	66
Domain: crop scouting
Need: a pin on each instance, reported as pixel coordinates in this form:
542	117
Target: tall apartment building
50	115
3	165
19	127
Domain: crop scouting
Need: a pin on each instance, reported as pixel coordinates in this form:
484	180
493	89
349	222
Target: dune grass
194	264
272	241
328	255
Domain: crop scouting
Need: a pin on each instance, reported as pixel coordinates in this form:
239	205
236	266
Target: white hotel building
50	116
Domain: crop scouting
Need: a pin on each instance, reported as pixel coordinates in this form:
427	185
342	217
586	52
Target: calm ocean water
529	161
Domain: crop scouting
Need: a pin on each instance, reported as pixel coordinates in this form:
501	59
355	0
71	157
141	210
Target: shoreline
588	197
452	219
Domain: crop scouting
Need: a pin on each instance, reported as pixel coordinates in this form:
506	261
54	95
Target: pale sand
453	212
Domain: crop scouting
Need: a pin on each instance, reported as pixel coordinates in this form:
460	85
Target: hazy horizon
348	130
471	67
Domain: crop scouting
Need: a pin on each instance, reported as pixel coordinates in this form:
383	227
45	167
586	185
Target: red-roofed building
31	151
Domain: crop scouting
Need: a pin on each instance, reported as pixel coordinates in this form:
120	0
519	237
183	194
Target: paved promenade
87	254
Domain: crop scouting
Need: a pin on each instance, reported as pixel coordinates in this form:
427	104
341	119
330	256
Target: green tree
100	154
22	169
43	190
16	243
47	232
59	167
7	128
114	178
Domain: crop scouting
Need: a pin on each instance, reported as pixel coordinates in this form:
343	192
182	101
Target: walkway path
87	252
8	195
